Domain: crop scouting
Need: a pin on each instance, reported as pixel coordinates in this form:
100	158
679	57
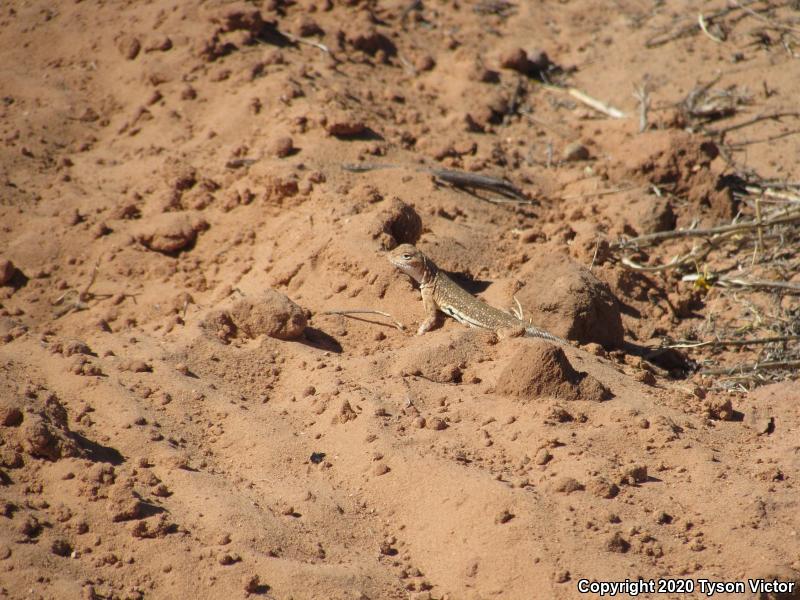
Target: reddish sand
180	418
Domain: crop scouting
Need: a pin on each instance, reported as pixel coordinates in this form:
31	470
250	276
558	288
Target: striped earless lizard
439	292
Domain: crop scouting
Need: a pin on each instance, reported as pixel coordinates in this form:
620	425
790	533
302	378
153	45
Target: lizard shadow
670	359
366	135
319	339
629	310
504	198
473	286
97	452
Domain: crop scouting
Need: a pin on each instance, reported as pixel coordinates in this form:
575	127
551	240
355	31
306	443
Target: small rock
645	377
135	366
719	408
603	488
575	152
504	517
634	474
124	505
29	527
516	59
283	147
345	126
10	415
7	270
306	26
562	576
129	47
531	63
567	485
346	413
387	547
170	233
542	457
664	518
424	63
252	584
229	558
437	424
380	469
61	547
617	544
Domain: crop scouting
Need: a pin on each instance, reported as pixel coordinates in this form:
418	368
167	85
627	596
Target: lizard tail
532	331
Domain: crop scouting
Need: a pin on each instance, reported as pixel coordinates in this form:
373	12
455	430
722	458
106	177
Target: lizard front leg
431	314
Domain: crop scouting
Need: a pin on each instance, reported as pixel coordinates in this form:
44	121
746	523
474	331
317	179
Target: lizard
440	293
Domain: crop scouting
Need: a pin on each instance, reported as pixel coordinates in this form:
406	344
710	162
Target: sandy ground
179	417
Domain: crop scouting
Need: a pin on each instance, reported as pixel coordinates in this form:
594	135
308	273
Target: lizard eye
406	257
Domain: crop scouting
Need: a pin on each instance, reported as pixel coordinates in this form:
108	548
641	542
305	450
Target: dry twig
752	368
734	342
365	311
596	104
790	216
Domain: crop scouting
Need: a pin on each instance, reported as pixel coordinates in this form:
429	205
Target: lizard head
410	261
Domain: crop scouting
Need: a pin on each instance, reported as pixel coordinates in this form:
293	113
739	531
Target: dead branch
769	117
770	22
676	261
733	342
730	282
790	217
752	368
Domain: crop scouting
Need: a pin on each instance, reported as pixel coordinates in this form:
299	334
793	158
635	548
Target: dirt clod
170	233
272	314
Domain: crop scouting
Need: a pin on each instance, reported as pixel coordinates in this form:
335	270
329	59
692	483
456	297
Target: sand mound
540	369
564	298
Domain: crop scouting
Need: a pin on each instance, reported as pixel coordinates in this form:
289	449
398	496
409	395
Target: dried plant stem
787	217
759	246
729	282
768	117
703	27
675	262
601	193
750	368
596	104
641	93
770	193
770	22
731	342
298	40
365	311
